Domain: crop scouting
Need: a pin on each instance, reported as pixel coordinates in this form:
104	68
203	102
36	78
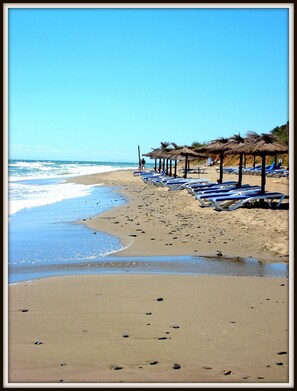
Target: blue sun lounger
157	178
196	188
205	198
178	183
235	201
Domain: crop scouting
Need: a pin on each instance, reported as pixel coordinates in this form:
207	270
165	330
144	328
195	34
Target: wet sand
134	328
149	329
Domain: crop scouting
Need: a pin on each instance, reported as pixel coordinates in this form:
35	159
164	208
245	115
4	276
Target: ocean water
44	238
43	211
35	183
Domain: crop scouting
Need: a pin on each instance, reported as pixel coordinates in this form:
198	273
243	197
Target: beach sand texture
113	328
161	222
149	328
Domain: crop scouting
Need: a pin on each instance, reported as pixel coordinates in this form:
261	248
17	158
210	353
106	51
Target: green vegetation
282	133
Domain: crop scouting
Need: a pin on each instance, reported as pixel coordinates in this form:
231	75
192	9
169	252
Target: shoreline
157	328
159	222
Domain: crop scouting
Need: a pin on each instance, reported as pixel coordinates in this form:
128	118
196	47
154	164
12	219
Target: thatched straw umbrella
153	155
160	153
217	146
236	145
267	145
164	149
175	147
185	153
252	138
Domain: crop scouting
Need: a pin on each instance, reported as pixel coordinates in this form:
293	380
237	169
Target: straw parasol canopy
159	153
184	153
267	145
165	148
154	154
263	145
251	138
217	146
236	145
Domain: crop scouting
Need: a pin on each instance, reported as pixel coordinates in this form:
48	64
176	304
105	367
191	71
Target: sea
45	239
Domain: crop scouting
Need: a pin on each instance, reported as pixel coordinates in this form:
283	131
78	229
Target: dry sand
113	328
160	222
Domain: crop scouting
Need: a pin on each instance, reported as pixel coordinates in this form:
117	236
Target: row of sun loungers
270	170
199	170
226	196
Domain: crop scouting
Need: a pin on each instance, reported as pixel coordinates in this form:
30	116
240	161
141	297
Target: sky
93	84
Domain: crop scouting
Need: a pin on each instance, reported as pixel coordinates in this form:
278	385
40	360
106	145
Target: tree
282	133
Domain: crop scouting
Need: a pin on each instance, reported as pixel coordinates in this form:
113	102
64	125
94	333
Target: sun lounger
229	170
199	170
150	178
278	173
168	180
159	181
232	202
155	176
211	186
146	174
206	197
196	185
177	184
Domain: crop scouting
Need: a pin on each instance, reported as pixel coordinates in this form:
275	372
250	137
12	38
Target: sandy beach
149	329
161	328
156	221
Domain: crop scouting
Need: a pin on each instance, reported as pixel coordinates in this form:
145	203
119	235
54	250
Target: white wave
31	196
24	193
64	171
36	164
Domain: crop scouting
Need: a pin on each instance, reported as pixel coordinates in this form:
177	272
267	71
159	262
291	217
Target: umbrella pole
263	179
221	168
160	165
240	170
139	161
175	164
166	166
186	166
170	167
155	164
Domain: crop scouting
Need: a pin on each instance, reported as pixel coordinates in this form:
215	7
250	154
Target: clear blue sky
93	84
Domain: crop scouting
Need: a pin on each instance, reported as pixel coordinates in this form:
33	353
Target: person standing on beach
142	164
